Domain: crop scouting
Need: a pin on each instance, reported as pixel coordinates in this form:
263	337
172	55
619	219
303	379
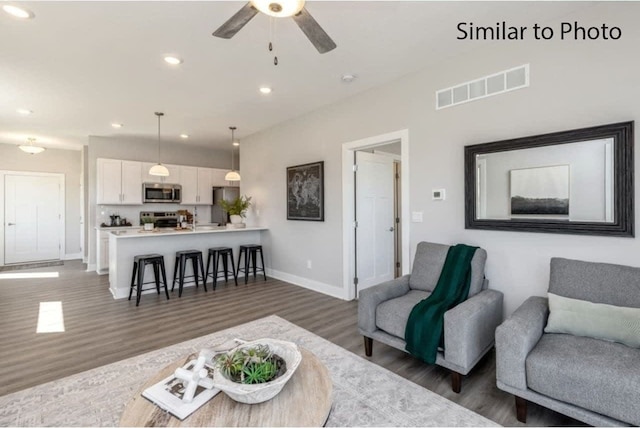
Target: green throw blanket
425	328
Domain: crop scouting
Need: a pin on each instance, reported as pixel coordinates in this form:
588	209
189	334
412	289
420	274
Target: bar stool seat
214	255
250	253
179	270
140	263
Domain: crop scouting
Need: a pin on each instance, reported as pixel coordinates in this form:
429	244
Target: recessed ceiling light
18	12
265	90
116	125
348	78
24	111
184	136
173	60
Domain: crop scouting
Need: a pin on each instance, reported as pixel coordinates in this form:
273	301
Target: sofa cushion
596	320
428	263
392	315
593	374
595	282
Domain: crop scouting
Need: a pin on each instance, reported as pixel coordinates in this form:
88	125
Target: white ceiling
82	65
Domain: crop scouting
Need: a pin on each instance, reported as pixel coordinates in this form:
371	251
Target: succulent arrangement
251	365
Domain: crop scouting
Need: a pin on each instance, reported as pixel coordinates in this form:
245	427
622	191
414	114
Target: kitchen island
124	245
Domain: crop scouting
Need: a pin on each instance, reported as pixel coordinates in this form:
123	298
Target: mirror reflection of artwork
542	191
305	192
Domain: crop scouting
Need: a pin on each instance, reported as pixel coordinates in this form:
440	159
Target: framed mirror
578	182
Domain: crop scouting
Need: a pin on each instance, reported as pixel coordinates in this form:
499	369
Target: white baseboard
91	267
76	256
310	284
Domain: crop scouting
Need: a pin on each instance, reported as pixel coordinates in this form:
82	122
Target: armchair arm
469	328
516	337
370	298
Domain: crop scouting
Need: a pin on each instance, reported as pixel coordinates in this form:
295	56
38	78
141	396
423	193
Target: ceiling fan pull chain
275	60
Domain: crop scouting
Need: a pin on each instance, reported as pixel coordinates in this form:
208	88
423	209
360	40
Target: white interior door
32	218
375	220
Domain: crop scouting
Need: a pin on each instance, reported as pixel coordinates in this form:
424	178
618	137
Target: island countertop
139	233
124	245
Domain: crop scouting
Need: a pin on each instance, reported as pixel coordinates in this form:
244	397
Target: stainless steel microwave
161	192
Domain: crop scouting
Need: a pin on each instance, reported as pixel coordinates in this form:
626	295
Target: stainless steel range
160	218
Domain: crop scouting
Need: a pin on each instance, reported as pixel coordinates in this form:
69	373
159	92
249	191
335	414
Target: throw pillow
596	320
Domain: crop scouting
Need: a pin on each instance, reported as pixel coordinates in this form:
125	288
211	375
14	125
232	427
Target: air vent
494	84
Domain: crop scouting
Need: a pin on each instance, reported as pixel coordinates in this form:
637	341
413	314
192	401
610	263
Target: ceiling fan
279	9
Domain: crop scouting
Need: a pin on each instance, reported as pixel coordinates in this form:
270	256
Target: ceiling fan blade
236	22
314	31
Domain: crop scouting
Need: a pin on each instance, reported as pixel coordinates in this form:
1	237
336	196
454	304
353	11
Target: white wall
67	162
573	85
143	151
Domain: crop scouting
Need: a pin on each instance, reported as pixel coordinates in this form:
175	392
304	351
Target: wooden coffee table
304	401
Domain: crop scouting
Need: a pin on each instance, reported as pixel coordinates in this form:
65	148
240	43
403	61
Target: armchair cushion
590	373
428	263
392	315
595	282
370	298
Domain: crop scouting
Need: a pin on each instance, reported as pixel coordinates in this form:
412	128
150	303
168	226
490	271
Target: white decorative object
193	377
258	393
148	226
235	219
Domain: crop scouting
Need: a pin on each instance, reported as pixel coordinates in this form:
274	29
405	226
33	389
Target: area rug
364	394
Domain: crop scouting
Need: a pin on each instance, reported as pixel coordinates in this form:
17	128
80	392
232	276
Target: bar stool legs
181	265
137	276
250	253
214	256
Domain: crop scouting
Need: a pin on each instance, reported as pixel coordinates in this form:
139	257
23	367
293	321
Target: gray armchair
592	380
469	328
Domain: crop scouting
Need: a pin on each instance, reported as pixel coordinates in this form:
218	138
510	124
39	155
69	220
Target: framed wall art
305	192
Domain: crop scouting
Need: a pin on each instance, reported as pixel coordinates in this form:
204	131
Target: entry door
32	218
375	220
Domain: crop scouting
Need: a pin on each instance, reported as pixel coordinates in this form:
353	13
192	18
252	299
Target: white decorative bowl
257	393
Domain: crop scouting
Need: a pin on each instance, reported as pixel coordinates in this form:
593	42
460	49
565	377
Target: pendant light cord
232	128
159	140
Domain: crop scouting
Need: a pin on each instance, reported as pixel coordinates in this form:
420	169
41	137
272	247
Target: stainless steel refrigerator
218	215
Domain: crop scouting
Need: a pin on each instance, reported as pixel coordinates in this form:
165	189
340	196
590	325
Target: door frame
348	202
61	202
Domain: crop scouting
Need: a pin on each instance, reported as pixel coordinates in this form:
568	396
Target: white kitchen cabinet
173	178
205	187
119	182
196	185
102	256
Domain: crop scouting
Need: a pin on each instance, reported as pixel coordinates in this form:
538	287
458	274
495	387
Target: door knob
11	224
391	229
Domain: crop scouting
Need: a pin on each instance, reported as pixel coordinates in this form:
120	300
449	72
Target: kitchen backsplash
132	212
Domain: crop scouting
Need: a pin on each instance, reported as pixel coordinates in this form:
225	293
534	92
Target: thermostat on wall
437	194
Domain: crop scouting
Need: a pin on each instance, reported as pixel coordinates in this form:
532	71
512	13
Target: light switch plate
438	194
416	216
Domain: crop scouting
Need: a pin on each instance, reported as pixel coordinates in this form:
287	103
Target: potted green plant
147	223
237	208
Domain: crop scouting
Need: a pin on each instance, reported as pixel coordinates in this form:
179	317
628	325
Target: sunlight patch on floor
50	318
29	275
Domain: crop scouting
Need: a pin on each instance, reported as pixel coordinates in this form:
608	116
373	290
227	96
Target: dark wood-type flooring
100	330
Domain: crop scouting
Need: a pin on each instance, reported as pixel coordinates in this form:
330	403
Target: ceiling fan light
32	150
278	8
159	170
232	176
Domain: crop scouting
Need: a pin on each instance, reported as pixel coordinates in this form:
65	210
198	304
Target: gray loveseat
592	380
469	328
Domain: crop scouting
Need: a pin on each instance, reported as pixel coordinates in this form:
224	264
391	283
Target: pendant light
30	148
232	175
159	169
